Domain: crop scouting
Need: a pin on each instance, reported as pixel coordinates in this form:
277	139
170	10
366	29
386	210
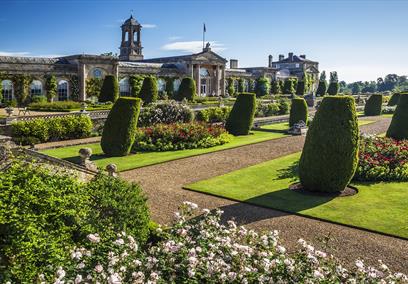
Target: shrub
289	86
52	129
333	89
187	90
135	82
165	112
38	99
284	105
213	114
170	137
120	127
54	106
301	88
382	159
262	87
231	87
263	109
321	89
109	90
241	117
394	99
373	105
298	111
330	154
276	87
398	128
149	91
93	87
51	87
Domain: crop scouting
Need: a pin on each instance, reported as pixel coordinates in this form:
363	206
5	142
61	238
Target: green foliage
289	86
242	115
135	82
321	88
187	90
51	87
298	111
165	112
1	89
53	106
109	90
149	91
262	87
263	109
231	87
38	99
74	87
241	85
213	114
51	129
252	84
93	87
301	88
330	154
170	87
120	127
276	87
394	99
398	128
373	105
333	89
21	85
284	105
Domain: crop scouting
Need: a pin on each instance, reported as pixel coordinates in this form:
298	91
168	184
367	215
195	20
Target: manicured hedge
55	106
120	127
333	89
187	90
262	87
298	111
373	105
321	89
394	99
52	129
149	91
330	154
213	114
242	114
109	90
398	128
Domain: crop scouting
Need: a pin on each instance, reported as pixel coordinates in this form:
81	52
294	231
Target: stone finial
85	155
112	170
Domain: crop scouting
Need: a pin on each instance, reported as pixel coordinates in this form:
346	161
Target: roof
33	60
189	57
295	59
131	22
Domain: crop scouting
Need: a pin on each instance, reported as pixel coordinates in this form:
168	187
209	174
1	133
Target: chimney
270	58
233	63
281	57
303	56
290	56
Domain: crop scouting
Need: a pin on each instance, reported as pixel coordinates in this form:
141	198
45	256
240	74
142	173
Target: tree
187	90
51	86
109	90
149	91
373	105
298	111
262	86
241	117
333	89
289	86
135	82
231	87
241	85
276	87
398	128
356	88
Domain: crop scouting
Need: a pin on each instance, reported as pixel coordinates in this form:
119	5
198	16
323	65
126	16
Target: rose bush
202	250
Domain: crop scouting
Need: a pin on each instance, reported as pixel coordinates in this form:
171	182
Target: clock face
97	73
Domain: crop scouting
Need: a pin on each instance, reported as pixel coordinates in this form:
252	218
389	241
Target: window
277	65
7	90
297	65
62	90
97	73
124	87
203	87
204	72
36	88
161	85
176	85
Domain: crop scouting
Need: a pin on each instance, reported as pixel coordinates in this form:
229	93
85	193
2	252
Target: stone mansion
208	69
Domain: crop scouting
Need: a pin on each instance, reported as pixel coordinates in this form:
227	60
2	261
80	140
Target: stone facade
207	68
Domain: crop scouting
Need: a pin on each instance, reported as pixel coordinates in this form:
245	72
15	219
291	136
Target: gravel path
163	185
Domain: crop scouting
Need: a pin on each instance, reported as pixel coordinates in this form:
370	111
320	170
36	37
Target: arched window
62	90
161	85
176	85
7	90
97	73
36	88
204	72
124	87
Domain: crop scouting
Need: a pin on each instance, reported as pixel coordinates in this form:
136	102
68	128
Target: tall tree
322	87
333	89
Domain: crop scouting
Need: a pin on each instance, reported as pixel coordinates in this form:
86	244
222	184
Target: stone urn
9	111
112	170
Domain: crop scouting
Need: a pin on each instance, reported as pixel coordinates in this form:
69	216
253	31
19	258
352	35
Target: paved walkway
163	185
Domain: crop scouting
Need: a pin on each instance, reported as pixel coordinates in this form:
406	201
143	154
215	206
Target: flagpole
203	34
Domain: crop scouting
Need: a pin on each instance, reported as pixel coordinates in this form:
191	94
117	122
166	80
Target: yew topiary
330	154
373	105
110	89
298	111
120	127
394	99
149	91
187	90
241	117
398	128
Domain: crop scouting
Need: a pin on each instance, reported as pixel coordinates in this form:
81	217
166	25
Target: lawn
380	207
141	159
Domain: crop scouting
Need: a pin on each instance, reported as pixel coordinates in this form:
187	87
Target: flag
204	29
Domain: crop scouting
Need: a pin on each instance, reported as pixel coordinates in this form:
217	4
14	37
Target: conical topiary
241	117
394	99
187	90
398	128
298	111
373	105
110	89
149	91
330	154
120	127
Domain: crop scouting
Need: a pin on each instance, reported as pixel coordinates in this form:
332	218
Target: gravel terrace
163	186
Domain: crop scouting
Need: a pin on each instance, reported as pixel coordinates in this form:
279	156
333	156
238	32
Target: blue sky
362	40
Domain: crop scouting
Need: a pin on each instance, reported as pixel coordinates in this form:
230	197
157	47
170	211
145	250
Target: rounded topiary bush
394	99
398	128
110	89
120	127
149	91
330	154
241	117
298	111
187	90
373	105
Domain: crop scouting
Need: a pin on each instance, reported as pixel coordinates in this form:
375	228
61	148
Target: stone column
82	82
223	81
138	36
131	36
217	80
198	79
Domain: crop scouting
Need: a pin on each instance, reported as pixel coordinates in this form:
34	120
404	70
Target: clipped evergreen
289	86
187	90
298	111
110	89
241	117
231	87
398	128
373	105
262	87
149	91
330	154
321	89
120	127
51	86
276	87
394	99
333	89
301	88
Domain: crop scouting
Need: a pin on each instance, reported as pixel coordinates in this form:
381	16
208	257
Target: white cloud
192	46
28	54
149	26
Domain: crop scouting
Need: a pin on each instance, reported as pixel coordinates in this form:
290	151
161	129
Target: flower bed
180	136
165	112
382	159
202	250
